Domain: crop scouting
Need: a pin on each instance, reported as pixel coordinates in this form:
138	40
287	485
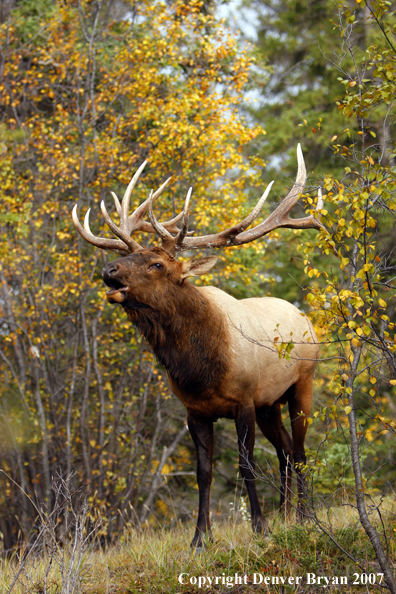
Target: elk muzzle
118	291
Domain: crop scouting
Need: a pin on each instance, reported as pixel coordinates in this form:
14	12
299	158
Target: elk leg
201	431
245	426
300	403
269	419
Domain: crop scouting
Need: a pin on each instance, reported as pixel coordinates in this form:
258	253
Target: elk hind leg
300	402
269	420
245	426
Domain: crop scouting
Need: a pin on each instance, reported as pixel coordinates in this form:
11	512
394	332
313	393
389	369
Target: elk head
136	278
141	280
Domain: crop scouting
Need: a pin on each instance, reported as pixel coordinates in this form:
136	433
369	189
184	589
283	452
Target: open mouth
117	292
115	286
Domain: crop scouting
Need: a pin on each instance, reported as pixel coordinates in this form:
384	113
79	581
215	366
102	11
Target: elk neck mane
188	335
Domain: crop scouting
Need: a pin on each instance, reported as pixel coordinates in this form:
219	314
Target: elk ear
197	267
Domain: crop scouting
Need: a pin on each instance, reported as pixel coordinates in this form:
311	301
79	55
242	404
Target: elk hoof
260	527
198	547
302	514
201	541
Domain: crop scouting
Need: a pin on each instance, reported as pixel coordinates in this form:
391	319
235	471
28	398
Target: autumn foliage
86	94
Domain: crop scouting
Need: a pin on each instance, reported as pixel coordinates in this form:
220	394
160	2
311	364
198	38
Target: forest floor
156	560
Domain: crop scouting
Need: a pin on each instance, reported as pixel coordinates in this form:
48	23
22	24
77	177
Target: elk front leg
202	433
245	426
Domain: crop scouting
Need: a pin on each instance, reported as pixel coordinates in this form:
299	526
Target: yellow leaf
347	409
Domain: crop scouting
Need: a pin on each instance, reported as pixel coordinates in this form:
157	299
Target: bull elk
218	352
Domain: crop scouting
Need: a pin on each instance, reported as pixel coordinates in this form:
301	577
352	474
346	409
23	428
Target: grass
151	560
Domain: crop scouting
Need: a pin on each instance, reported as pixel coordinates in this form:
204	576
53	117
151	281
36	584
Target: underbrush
160	560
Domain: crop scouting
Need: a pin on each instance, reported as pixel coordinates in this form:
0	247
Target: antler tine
116	203
172	243
320	203
127	196
86	220
182	234
301	177
257	209
240	227
131	243
135	222
292	196
171	226
319	206
160	229
101	242
158	192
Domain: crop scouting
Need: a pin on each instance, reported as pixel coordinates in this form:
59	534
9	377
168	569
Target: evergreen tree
299	53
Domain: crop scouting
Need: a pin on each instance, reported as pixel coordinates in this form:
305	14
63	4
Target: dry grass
151	560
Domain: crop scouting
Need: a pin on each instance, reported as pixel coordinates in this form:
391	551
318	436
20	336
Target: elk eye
157	265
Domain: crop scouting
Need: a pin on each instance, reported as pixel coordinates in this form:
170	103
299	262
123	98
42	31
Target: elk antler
128	224
236	235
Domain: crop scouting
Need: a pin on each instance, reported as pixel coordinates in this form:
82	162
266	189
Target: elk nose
110	269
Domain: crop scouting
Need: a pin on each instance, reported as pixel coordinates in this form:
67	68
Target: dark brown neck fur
189	337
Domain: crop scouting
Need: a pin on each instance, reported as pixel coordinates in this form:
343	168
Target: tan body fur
257	374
